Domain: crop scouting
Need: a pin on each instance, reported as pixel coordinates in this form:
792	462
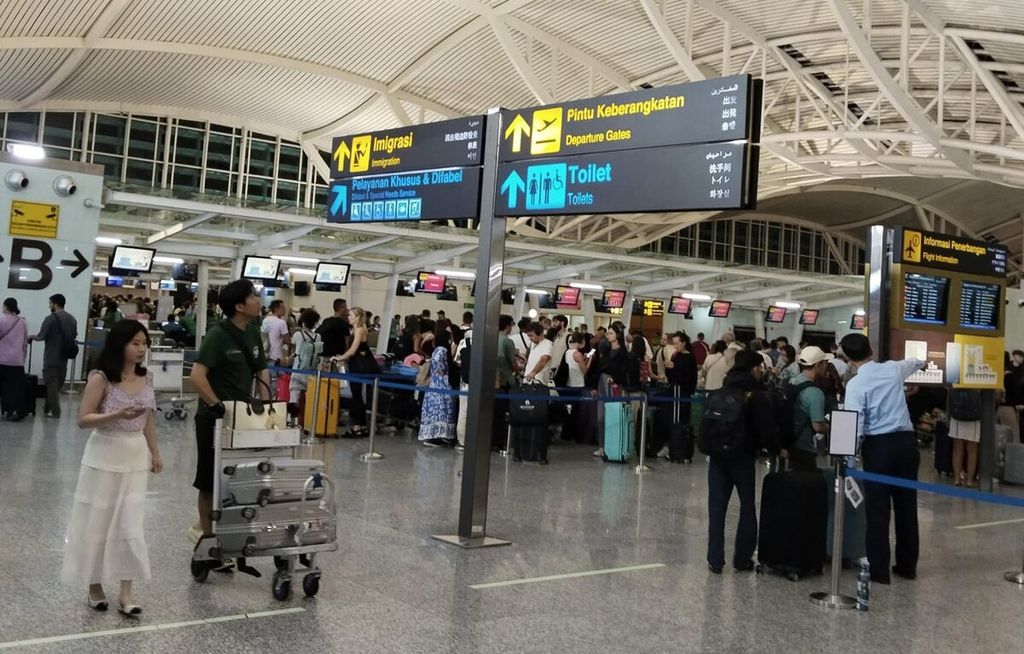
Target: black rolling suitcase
794	517
943	449
677	429
28	395
528	416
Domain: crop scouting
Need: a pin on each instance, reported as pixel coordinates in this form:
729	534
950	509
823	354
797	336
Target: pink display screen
567	296
720	309
614	299
809	317
680	305
775	314
430	283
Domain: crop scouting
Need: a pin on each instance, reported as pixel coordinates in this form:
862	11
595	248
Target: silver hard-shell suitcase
253	529
1013	467
270	481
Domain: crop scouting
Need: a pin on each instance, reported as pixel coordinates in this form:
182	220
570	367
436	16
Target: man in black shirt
335	331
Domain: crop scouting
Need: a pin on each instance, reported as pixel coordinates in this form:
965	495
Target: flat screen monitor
720	309
167	285
406	289
809	317
331	274
599	306
546	301
115	282
858	322
680	305
508	295
430	283
614	299
185	272
132	259
261	268
979	305
450	294
567	296
925	299
775	314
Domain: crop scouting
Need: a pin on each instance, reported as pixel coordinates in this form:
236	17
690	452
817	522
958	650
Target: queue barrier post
642	467
833	599
373	455
69	382
508	443
1015	576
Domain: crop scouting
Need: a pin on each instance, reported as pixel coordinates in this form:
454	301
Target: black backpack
562	371
965	405
787	432
465	358
723	428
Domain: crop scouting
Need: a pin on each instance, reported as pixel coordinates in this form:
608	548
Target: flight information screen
925	299
979	305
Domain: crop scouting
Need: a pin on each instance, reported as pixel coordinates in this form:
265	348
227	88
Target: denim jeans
723	476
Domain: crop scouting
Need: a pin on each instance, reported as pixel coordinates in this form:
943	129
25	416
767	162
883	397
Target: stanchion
69	383
508	443
643	467
1015	577
373	455
833	599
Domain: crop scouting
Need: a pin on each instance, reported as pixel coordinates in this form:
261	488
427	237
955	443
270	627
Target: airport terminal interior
663	200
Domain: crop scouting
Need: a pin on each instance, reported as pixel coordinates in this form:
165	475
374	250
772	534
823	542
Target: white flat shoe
98	605
130	610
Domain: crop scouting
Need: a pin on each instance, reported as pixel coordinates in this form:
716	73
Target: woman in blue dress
437	419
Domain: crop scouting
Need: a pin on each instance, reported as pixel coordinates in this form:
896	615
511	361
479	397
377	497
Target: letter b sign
28	255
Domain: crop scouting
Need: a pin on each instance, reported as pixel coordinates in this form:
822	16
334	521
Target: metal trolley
168	367
308	527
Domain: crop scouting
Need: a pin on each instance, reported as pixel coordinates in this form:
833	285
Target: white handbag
241	416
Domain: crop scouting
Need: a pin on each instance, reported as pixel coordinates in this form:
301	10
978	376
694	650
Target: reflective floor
391	588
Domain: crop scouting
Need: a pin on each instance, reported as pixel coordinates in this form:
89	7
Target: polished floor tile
392	588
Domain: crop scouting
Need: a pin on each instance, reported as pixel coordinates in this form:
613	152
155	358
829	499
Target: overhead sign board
945	252
457	142
446	194
680	178
708	111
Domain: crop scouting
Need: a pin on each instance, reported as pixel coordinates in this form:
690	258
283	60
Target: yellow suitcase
328	411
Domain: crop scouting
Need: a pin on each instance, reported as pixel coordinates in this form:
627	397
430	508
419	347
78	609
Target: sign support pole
879	239
476	463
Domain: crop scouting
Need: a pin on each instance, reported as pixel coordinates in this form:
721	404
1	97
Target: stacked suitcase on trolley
271	499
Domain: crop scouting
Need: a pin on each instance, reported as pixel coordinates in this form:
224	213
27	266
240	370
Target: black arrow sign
81	262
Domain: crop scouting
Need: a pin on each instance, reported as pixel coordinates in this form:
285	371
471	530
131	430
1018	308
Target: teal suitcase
619	427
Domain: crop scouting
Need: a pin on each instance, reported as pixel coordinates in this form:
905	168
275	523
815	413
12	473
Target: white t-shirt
275	329
840	366
538	351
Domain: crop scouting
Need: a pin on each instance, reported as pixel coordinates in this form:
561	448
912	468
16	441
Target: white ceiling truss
863	98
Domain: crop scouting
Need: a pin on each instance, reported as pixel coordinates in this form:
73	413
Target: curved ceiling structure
899	111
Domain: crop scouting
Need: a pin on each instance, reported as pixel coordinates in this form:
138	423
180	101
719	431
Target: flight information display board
926	299
775	314
979	305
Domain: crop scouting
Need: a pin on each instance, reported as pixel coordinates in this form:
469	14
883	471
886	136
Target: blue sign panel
446	194
680	178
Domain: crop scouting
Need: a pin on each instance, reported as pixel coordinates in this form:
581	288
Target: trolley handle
316	480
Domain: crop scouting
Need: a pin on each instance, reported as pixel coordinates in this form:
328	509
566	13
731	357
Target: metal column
390	306
476	465
879	259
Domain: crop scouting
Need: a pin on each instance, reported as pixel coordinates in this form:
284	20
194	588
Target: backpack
723	428
561	378
964	405
465	358
309	351
68	346
787	430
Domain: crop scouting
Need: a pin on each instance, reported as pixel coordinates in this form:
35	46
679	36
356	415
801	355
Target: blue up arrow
339	206
513	184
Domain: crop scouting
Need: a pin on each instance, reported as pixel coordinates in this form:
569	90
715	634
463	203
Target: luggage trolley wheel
181	414
200	570
168	415
265	467
281	586
311	584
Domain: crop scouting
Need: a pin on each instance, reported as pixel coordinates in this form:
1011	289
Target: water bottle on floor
864	585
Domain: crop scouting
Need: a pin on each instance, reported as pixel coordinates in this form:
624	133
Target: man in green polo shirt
224	372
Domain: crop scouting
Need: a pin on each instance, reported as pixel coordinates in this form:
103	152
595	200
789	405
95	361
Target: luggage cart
168	367
292	532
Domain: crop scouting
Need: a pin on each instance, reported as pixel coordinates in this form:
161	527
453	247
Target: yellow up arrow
340	154
517	129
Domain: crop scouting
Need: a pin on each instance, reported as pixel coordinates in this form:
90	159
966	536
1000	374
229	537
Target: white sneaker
599	453
663	453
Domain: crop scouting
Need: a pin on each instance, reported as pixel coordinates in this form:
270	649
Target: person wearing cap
888	448
739	471
808	408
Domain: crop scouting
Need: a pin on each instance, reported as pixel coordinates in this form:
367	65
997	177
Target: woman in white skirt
105	537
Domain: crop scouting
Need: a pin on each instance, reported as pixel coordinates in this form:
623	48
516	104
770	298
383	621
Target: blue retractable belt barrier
938	489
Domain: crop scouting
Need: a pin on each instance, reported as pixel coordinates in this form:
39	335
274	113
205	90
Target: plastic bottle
864	585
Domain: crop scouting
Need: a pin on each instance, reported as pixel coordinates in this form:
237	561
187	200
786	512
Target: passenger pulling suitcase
680	433
794	516
270	481
1013	467
328	414
619	428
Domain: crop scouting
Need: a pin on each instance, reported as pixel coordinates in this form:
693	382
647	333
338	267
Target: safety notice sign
34	219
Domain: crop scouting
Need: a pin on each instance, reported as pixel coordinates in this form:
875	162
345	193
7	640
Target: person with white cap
808	408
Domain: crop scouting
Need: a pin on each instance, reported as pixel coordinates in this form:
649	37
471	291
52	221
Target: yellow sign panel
34	219
911	246
975	361
547	131
360	161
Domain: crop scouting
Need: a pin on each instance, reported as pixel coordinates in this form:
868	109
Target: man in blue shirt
888	448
